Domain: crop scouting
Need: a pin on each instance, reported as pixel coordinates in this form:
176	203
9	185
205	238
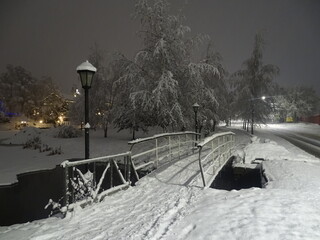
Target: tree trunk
133	134
106	130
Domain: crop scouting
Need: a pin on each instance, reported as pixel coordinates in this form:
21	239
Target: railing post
223	148
72	178
219	150
157	154
94	175
179	146
201	169
191	143
229	145
125	163
111	173
170	148
66	195
129	168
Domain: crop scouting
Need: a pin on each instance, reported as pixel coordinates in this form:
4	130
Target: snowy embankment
164	205
287	209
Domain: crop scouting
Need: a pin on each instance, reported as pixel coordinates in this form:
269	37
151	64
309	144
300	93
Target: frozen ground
163	206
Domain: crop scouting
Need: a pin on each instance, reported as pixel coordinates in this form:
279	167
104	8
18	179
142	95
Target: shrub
55	151
34	143
68	132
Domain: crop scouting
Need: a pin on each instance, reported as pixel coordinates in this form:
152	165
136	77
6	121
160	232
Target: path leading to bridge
146	211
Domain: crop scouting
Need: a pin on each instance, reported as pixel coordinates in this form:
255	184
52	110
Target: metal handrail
220	144
174	145
112	164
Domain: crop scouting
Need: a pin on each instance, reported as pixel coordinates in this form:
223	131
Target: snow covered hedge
68	132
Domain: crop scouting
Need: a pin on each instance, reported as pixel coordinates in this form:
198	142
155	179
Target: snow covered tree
297	102
16	86
114	70
162	82
216	85
41	89
253	82
22	93
52	107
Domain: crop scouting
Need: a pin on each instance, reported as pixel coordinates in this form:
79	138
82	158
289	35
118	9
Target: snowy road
300	137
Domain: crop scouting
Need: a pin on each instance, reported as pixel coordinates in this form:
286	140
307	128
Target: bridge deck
184	172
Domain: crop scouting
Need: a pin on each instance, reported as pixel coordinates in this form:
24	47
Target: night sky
51	38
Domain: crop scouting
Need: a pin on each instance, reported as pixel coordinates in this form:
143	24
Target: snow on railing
82	186
161	148
217	149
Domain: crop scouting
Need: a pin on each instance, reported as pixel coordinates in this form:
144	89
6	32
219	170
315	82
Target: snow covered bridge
173	158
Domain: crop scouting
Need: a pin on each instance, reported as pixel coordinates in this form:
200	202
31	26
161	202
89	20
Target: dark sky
51	38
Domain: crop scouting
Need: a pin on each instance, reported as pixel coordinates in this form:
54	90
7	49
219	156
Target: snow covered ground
164	205
14	159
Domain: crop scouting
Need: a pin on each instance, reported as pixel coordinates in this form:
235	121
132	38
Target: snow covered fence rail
160	148
217	150
83	186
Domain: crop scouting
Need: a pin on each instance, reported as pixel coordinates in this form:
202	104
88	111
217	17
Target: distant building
313	119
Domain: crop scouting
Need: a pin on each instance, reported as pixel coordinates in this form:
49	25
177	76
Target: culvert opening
240	176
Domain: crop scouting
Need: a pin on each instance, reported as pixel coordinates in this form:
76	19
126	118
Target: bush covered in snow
33	143
36	143
68	132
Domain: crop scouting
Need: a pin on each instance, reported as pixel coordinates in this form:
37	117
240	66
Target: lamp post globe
195	107
86	71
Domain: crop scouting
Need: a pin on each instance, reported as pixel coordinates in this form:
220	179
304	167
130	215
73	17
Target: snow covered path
145	211
166	205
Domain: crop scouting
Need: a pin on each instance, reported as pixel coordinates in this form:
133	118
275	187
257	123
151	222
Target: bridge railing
214	151
156	150
107	172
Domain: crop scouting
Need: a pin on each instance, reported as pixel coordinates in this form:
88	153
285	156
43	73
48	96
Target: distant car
289	119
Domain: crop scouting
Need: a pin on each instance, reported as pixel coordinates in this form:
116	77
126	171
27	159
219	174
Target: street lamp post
252	110
86	71
195	109
252	116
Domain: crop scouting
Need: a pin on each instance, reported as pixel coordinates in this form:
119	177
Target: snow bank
287	209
